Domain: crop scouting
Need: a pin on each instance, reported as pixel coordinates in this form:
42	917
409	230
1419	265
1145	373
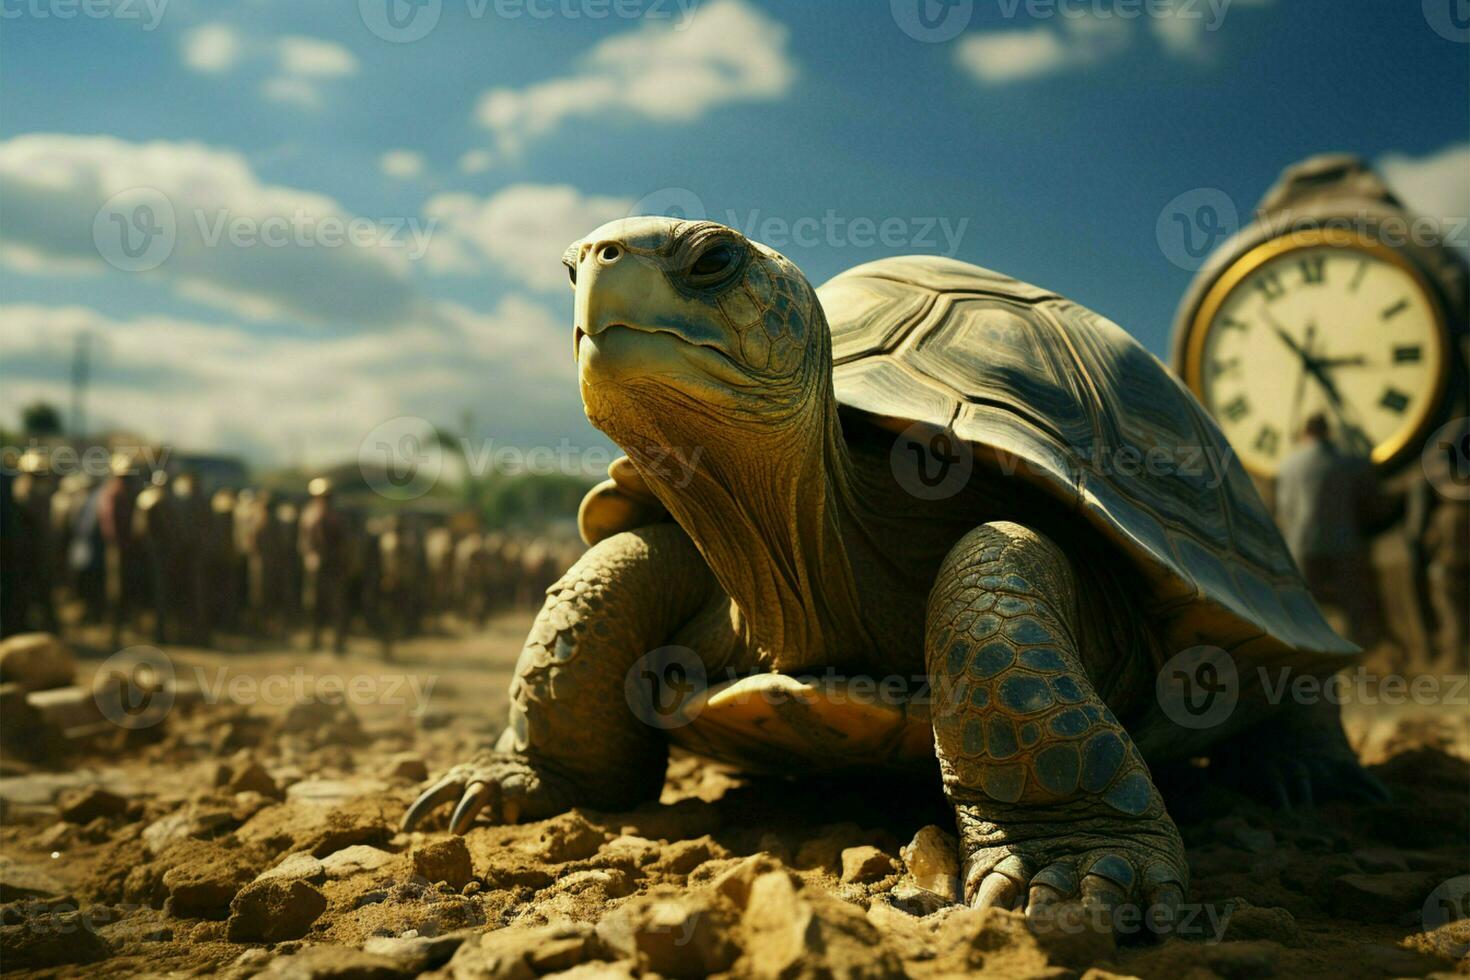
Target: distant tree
40	419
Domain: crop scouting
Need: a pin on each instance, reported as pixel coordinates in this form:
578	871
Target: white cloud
522	229
1436	185
204	386
724	52
298	92
212	48
314	58
402	164
301	264
1076	39
1000	57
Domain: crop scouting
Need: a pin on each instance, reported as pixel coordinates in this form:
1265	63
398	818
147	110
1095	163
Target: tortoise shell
1050	392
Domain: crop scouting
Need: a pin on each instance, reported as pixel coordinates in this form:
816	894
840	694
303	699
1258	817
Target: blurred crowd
160	556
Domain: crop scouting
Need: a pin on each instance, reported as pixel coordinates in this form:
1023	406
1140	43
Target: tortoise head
690	320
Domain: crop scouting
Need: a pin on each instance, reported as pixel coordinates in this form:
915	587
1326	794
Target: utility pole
81	369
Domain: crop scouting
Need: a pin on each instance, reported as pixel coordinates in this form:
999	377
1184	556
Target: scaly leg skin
1052	800
573	739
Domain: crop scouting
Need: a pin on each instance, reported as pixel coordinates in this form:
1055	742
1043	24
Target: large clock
1324	305
1320	322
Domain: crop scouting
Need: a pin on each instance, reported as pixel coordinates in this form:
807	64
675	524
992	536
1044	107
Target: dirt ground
253	831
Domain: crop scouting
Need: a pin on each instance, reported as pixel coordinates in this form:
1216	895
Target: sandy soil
253	831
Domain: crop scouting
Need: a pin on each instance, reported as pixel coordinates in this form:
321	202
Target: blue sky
1042	139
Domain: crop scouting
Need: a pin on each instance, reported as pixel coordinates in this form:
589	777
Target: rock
607	883
932	859
675	821
355	860
1000	942
334	963
1381	897
55	939
1253	839
628	851
866	864
912	899
334	792
36	662
86	805
19	880
1248	922
524	952
568	837
1376	860
405	766
194	820
417	953
57	837
273	911
736	882
251	777
296	866
1240	961
682	857
791	933
203	879
447	859
672	933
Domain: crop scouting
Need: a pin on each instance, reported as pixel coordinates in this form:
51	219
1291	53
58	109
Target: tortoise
927	517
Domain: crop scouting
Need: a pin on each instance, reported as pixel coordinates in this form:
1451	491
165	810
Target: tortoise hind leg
1051	797
1298	757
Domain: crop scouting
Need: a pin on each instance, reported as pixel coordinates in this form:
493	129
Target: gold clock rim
1390	451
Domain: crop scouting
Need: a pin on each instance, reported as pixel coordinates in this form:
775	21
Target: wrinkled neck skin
767	497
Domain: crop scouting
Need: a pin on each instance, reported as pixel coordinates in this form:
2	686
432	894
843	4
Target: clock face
1348	331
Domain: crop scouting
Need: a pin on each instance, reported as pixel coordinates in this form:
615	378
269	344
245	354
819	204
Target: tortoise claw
430	799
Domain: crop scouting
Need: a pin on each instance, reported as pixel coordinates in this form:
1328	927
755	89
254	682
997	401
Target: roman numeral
1229	323
1314	268
1237	409
1395	309
1408	354
1394	400
1268	440
1269	283
1358	275
1217	368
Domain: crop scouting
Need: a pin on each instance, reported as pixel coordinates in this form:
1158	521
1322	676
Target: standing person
155	529
189	559
222	584
36	552
323	541
1327	502
121	567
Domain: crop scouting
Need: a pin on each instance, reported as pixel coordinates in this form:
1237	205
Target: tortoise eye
715	262
571	273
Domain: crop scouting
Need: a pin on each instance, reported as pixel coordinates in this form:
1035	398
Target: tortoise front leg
573	739
1051	797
